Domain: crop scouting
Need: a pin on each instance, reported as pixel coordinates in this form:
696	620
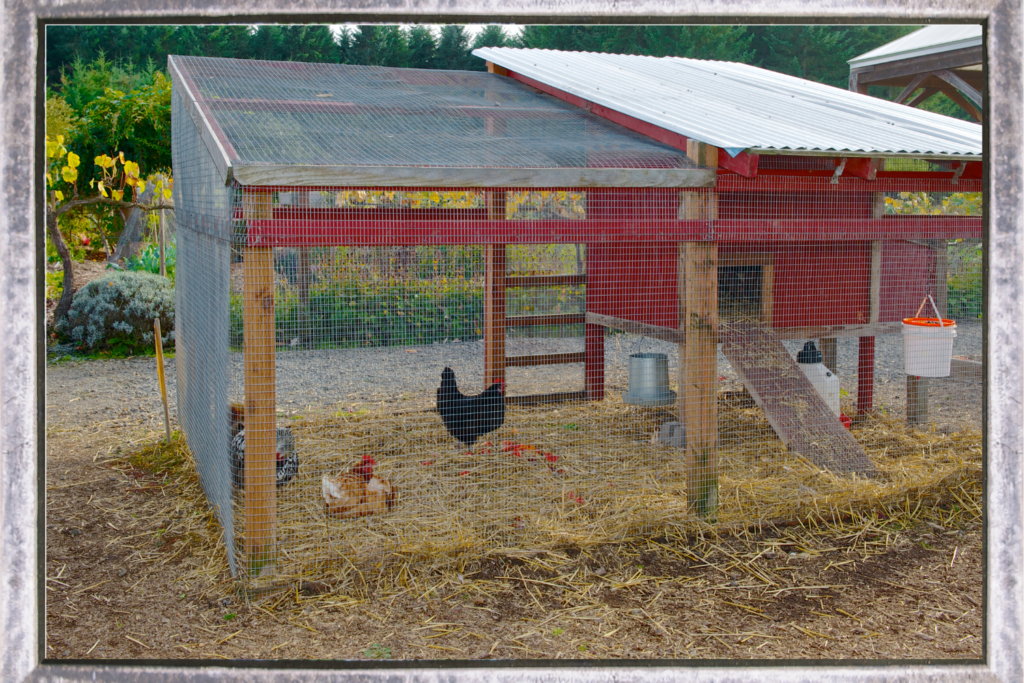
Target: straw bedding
604	481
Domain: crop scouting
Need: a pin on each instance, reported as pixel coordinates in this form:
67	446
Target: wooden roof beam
973	111
911	87
904	67
925	94
960	84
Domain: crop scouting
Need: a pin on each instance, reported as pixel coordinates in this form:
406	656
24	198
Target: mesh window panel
372	375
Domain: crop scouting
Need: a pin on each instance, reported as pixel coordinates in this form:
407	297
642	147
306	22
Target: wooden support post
494	297
866	355
594	364
917	387
767	291
260	409
917	400
829	353
698	270
866	376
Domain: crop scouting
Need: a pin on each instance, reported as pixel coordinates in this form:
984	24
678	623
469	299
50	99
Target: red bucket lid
929	322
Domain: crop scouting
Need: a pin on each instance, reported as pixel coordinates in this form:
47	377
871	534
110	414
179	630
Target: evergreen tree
344	41
394	50
569	38
493	35
421	47
724	43
818	53
380	46
300	43
453	49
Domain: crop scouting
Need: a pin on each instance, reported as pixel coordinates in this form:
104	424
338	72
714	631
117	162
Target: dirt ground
133	571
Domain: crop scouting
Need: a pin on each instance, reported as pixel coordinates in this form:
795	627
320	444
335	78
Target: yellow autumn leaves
114	179
934	204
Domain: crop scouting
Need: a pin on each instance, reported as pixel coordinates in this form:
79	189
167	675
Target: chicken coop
574	299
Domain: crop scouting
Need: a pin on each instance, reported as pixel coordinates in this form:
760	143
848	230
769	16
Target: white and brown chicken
358	493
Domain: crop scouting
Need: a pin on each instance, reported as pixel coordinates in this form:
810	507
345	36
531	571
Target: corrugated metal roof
928	41
740	107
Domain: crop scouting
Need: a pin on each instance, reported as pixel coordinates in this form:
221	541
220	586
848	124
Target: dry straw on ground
607	483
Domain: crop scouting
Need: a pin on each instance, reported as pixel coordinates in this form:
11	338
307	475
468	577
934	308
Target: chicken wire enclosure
645	343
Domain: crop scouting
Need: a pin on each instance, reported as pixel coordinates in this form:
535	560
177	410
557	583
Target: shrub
115	313
148	260
353	313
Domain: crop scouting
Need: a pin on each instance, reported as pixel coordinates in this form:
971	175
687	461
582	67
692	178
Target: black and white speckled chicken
287	455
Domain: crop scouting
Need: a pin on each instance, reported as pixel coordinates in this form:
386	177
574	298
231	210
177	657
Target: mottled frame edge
22	368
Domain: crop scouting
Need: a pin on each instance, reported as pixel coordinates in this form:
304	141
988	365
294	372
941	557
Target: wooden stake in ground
163	263
158	340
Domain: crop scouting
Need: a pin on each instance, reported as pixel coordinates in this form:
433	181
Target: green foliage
60	117
453	50
934	203
964	280
115	313
81	234
421	47
377	651
492	35
137	123
81	82
354	313
297	42
964	295
54	284
812	51
148	260
380	46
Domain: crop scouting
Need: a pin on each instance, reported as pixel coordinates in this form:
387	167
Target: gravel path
80	391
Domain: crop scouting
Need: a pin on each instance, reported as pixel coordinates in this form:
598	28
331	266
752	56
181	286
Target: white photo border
22	356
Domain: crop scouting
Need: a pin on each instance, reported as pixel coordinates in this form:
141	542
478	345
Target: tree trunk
65	257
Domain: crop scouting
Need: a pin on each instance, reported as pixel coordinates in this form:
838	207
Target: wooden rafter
911	87
954	95
924	95
960	84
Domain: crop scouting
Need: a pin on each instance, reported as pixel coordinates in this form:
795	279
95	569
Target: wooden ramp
795	410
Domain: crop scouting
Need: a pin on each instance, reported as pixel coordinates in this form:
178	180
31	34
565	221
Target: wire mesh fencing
597	390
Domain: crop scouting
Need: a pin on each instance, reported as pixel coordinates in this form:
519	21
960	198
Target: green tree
62	197
818	53
421	47
453	50
84	81
493	35
137	122
344	40
570	38
380	46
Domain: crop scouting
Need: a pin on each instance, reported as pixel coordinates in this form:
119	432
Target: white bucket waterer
928	345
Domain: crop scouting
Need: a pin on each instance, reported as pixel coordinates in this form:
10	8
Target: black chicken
467	418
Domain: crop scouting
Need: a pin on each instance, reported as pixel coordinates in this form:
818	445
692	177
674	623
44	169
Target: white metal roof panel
927	41
740	107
